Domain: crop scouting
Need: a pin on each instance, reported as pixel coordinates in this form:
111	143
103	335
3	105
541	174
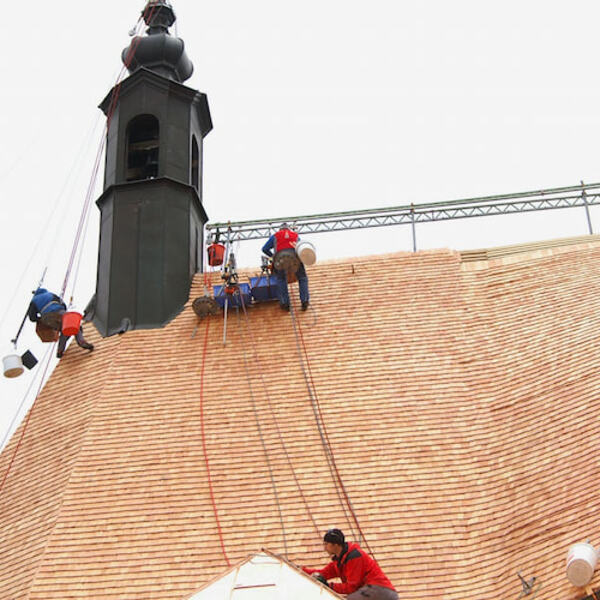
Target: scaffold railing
584	195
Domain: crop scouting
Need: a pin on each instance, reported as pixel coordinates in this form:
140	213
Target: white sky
317	106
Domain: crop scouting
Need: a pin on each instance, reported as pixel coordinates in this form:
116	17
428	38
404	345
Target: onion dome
159	51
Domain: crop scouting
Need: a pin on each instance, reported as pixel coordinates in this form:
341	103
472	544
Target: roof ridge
485	254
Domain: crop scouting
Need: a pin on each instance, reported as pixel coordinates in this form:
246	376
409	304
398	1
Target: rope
263	443
80	229
204	450
85	211
321	421
12	460
326	447
83	151
274	417
53	210
112	107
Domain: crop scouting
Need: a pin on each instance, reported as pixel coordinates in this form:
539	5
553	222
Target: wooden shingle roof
460	399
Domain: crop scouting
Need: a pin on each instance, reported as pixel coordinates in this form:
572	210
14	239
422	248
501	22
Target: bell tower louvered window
142	148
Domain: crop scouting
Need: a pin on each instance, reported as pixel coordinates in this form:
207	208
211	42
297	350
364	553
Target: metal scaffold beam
583	195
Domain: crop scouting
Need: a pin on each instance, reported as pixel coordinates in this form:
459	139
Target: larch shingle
460	396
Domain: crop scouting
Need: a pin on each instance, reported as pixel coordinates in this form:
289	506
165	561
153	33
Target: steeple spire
152	218
159	51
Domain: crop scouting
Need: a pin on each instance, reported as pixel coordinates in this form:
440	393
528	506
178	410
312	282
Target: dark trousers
62	341
54	321
282	285
373	592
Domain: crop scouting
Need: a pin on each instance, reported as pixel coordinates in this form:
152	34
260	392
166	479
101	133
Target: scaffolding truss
584	195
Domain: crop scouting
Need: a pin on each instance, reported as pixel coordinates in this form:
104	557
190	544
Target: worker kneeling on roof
361	576
48	309
283	242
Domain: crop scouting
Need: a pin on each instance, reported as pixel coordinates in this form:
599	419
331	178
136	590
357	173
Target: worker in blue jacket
48	309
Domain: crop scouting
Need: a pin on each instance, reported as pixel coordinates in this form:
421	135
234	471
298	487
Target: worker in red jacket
284	241
361	576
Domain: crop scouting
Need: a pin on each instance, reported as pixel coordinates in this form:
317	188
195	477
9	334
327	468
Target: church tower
152	218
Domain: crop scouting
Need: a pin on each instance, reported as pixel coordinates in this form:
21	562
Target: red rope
112	107
12	460
333	460
206	460
127	63
84	214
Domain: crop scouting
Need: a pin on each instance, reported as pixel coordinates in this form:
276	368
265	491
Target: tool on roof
205	305
230	277
528	586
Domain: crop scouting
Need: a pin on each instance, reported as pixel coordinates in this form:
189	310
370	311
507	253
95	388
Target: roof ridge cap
556	245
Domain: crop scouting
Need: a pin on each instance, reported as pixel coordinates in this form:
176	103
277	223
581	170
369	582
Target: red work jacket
284	239
355	568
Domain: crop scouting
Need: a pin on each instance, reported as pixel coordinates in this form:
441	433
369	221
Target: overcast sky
317	106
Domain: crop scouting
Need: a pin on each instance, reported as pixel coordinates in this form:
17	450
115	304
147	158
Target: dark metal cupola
152	217
159	51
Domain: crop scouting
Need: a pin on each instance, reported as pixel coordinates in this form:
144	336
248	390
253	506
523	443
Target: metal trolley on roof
259	289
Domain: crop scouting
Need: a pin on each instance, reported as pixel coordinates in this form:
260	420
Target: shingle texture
460	398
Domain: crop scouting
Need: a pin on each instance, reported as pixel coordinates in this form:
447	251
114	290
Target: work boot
304	304
285	307
89	347
59	354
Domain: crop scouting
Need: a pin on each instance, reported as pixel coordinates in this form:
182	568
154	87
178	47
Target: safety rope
83	219
326	447
84	213
79	258
274	416
301	347
55	209
12	460
92	184
263	443
204	449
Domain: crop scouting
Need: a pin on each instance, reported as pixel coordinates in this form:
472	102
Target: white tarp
264	576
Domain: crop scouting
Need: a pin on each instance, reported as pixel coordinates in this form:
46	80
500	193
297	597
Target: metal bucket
306	253
581	563
13	366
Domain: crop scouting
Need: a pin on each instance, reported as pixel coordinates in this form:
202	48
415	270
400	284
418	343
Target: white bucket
306	253
13	365
581	563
